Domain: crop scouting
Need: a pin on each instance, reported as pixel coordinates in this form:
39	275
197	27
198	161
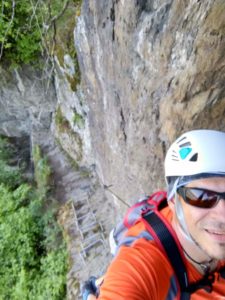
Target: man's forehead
207	182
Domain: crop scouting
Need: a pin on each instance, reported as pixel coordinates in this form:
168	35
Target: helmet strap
205	266
181	220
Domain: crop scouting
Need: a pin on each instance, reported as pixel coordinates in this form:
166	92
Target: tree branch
55	18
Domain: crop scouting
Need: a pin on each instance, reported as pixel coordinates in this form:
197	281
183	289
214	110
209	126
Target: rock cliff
27	101
150	70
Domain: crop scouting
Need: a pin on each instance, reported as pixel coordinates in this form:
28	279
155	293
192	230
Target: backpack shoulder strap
164	238
222	272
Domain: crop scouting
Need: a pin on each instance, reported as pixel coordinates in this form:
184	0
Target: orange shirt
142	272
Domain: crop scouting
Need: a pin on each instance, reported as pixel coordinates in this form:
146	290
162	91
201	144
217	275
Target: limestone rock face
71	125
150	70
27	102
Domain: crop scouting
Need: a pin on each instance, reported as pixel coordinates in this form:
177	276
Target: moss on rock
65	41
70	141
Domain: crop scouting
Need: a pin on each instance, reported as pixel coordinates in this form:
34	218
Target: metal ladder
89	228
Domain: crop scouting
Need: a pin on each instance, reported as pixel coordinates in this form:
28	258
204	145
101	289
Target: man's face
207	226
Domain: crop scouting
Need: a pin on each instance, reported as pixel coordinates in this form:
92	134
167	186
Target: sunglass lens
200	198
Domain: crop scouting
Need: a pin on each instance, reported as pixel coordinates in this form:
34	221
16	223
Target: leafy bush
33	255
32	267
9	175
27	27
42	171
20	34
7	151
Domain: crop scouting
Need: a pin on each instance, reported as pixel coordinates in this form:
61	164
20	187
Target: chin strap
183	226
205	266
181	220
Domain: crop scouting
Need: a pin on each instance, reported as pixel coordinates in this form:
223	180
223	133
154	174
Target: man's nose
220	207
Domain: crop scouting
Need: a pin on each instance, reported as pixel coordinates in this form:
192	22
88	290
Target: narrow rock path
86	216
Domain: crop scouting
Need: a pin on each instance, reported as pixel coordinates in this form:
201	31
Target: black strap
222	272
171	249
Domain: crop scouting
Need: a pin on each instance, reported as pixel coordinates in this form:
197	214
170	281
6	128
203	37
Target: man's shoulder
140	226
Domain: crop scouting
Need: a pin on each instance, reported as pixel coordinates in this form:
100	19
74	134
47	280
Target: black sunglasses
200	197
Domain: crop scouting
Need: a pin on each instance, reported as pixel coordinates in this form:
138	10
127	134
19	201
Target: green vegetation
42	171
9	175
28	28
78	120
61	122
65	41
19	33
63	126
33	255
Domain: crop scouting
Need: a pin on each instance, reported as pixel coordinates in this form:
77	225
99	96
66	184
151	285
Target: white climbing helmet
196	152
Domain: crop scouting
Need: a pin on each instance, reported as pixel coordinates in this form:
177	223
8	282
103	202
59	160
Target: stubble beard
211	254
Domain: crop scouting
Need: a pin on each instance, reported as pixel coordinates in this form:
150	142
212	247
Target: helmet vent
184	142
180	140
188	144
174	156
194	157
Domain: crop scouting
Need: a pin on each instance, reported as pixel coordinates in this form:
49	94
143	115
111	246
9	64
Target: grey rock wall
27	102
74	138
150	70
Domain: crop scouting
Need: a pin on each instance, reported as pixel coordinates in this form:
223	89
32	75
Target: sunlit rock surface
150	70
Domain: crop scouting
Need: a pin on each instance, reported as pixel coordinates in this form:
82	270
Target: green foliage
6	149
51	283
42	171
27	28
78	120
65	41
32	267
61	122
20	34
33	255
9	175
